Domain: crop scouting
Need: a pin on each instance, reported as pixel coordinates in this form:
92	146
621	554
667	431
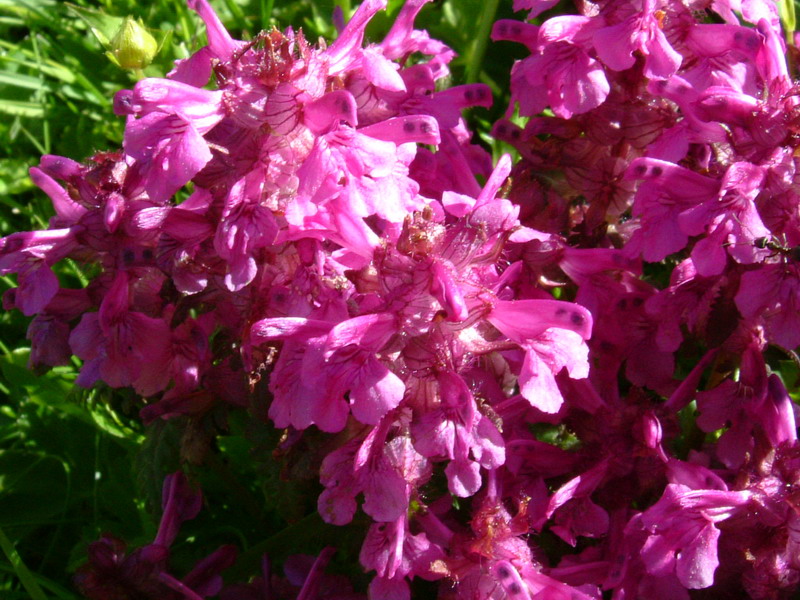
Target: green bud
133	47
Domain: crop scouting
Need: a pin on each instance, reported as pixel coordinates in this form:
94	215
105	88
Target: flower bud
649	432
133	47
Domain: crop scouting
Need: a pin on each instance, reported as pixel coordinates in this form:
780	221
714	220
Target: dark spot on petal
637	302
516	30
480	93
514	588
147	254
515	134
409	127
468	94
128	256
501	129
503	572
641	169
576	318
622	304
425	127
657	171
561	312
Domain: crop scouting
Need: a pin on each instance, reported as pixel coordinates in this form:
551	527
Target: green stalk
788	23
238	14
482	40
266	13
788	19
41	96
24	575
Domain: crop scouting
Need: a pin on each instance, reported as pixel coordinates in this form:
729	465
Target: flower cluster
672	140
313	226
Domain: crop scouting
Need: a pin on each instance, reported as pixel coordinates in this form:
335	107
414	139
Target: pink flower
386	473
30	254
562	74
395	553
615	44
245	227
666	192
552	335
730	221
167	137
772	293
121	347
321	361
453	431
683	534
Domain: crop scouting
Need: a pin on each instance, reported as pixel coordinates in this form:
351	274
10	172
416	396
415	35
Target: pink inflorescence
314	226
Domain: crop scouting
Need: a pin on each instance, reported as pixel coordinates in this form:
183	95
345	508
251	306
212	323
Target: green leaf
103	26
49	388
27	481
19	80
24	575
22	108
27	10
14	176
49	68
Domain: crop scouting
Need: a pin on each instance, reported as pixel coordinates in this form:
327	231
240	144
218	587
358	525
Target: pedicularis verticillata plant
521	400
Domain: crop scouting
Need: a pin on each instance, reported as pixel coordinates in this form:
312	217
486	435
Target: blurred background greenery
76	463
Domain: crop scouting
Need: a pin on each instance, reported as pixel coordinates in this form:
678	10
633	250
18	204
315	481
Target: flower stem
178	586
481	40
266	13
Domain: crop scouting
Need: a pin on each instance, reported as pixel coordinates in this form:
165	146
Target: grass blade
481	41
22	572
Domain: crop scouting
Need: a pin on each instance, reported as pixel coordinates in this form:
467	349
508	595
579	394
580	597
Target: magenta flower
120	346
553	335
245	227
395	553
332	360
772	293
386	473
166	138
683	533
666	192
641	31
730	222
455	430
563	76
